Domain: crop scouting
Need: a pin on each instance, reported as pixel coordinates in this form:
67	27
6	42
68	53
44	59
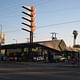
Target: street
38	71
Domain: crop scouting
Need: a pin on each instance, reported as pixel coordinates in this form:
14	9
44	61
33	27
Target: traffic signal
30	12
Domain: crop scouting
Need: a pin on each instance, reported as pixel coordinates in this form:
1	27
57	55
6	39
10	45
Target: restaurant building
26	51
44	51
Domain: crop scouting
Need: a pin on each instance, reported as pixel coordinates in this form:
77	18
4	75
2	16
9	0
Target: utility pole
0	37
54	35
0	33
1	28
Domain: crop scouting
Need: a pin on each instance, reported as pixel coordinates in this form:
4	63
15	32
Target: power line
44	26
69	22
12	31
40	3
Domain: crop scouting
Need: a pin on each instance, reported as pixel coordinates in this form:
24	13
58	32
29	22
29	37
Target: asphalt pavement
39	71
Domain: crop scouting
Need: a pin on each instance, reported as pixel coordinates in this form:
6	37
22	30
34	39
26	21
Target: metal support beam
31	37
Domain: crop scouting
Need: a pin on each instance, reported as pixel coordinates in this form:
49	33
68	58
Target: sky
60	16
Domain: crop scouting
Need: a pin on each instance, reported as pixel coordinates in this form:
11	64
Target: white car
39	58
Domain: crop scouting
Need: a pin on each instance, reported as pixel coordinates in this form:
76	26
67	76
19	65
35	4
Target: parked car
38	58
58	58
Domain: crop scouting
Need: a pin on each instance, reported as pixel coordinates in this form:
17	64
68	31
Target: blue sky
48	14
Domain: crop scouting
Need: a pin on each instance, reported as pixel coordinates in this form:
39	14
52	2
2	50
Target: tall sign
30	20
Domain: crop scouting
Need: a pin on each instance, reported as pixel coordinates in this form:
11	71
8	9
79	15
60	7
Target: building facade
27	52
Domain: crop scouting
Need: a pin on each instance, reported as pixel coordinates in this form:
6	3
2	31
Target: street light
75	33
